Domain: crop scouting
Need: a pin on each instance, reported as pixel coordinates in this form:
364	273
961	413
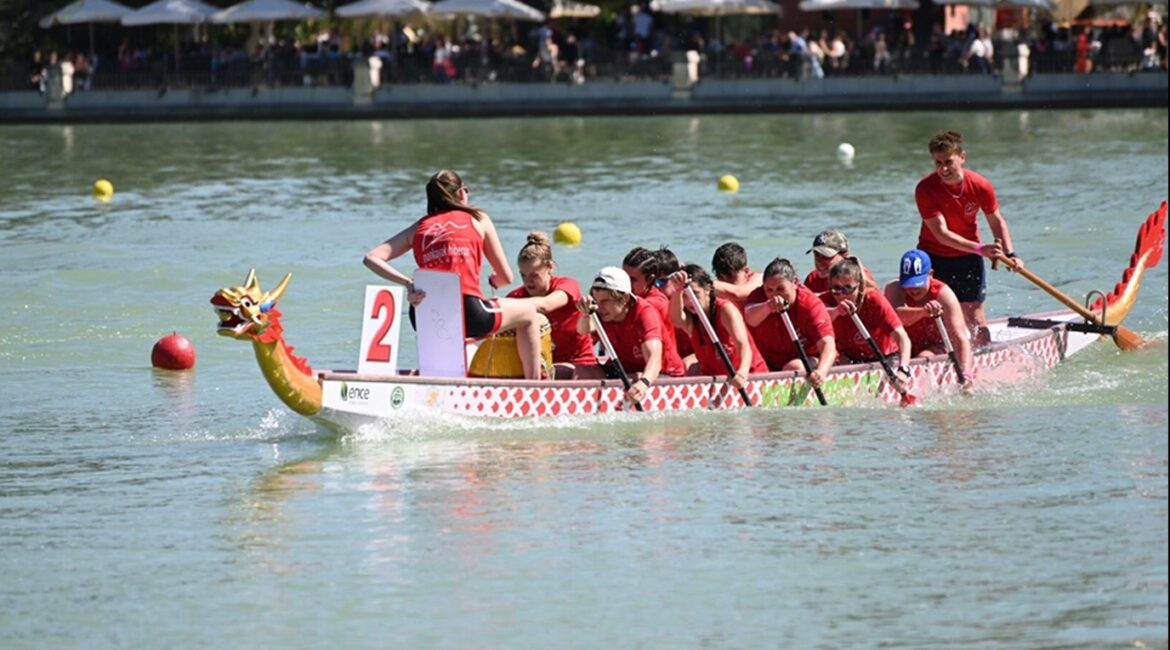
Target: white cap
612	278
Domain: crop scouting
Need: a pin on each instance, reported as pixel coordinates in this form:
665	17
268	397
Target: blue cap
915	269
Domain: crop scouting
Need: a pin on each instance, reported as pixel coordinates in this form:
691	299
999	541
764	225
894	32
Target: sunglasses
843	291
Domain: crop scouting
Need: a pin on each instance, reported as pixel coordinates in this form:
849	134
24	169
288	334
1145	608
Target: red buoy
173	352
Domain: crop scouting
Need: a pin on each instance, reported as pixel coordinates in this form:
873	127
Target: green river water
141	508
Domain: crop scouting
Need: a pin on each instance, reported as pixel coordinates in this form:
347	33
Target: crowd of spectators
635	44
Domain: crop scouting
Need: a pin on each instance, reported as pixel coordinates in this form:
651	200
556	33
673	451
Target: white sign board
439	323
381	327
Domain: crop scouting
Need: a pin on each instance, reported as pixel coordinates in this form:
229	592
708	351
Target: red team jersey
642	323
924	332
809	317
879	318
448	241
710	362
568	345
960	209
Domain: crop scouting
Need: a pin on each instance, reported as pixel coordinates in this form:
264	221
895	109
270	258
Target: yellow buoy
567	233
728	183
103	190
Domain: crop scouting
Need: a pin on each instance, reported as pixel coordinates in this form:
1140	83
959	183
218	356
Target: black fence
480	66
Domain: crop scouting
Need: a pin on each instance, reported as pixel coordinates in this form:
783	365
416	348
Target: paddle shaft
906	397
1125	338
803	356
612	355
946	337
702	316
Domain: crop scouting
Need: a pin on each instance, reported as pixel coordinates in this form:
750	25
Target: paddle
803	356
907	398
702	316
611	354
946	337
1125	338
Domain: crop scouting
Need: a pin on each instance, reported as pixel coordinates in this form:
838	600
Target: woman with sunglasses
648	270
850	292
454	236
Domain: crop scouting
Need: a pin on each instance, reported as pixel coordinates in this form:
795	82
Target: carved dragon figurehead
248	313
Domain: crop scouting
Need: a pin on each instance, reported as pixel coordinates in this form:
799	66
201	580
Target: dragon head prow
246	311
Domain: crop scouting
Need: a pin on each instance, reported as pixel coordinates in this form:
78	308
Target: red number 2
380	351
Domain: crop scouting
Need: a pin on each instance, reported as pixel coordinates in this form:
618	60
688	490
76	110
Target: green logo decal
344	392
397	397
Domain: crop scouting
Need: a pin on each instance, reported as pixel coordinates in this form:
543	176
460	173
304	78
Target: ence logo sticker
355	393
397	397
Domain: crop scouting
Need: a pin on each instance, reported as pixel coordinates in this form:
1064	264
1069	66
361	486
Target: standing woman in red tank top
454	236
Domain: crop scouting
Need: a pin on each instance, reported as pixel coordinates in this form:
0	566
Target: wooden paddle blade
1127	339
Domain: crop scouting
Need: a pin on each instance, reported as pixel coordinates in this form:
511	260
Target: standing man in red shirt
949	200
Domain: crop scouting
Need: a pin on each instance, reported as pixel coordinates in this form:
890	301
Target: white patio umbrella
509	9
86	11
1049	5
832	5
383	8
170	12
718	9
715	7
1126	3
858	5
570	9
260	11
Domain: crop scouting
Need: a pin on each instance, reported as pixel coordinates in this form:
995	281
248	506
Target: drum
497	355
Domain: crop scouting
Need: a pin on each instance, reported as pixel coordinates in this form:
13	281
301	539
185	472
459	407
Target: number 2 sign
380	330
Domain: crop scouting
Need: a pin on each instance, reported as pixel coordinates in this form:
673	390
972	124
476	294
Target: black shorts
481	317
964	275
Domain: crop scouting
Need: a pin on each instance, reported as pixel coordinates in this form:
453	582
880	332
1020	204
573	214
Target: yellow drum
497	355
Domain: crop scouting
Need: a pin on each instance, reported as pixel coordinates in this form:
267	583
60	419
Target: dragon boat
344	400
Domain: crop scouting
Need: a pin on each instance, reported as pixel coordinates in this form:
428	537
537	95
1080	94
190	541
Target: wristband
905	370
1010	255
979	249
644	381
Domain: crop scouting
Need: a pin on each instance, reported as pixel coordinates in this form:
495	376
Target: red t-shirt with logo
568	345
960	207
924	332
809	317
642	323
710	363
669	339
879	318
448	241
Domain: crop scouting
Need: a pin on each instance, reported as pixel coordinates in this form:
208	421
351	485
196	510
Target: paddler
556	297
851	292
454	236
829	248
919	298
724	317
734	279
633	327
644	266
949	200
782	293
